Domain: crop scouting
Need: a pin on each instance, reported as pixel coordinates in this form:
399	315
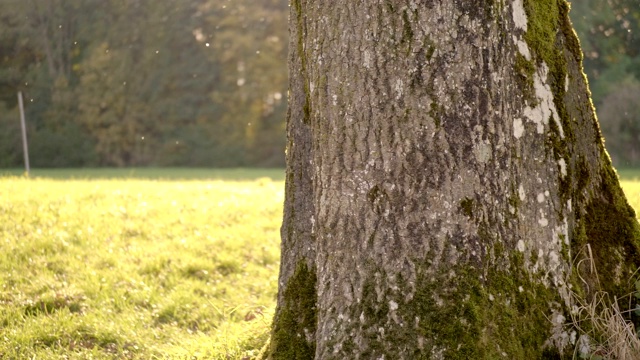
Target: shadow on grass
239	174
629	174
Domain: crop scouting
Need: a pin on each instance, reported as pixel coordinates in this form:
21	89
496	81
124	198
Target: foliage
137	269
620	121
197	82
10	138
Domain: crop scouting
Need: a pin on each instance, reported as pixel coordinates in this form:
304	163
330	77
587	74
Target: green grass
632	190
135	267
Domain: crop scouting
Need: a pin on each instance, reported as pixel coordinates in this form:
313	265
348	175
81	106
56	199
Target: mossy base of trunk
499	311
502	314
294	324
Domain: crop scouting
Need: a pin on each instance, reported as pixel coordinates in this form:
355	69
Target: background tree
248	45
16	57
445	177
620	112
125	102
45	36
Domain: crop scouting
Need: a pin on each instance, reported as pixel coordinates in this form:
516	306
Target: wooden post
25	147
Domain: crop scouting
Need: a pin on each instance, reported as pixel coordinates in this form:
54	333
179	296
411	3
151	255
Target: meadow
138	268
143	264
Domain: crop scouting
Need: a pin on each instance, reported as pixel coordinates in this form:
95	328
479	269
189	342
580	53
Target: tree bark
445	174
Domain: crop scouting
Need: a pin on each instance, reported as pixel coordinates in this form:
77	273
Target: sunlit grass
632	190
137	269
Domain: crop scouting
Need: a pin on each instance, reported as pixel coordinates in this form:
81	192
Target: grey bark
438	159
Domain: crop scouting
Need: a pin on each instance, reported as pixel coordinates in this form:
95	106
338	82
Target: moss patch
495	311
610	227
542	26
296	319
436	113
613	231
431	48
571	38
545	19
525	70
553	42
474	318
466	207
558	147
407	31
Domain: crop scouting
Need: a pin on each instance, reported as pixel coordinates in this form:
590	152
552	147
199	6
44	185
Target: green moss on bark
466	207
407	31
295	322
610	227
608	224
571	38
547	18
558	146
525	70
436	113
431	49
542	26
465	316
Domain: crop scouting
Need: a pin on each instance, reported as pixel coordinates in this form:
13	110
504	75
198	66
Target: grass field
137	269
142	265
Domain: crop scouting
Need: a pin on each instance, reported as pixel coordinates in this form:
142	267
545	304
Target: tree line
144	82
204	82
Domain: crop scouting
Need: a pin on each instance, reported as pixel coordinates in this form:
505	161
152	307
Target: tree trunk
445	177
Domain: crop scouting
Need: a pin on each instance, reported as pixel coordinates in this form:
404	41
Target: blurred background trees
204	82
144	82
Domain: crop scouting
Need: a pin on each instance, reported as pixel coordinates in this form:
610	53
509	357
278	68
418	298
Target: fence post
25	147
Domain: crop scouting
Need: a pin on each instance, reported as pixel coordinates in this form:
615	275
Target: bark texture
445	170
